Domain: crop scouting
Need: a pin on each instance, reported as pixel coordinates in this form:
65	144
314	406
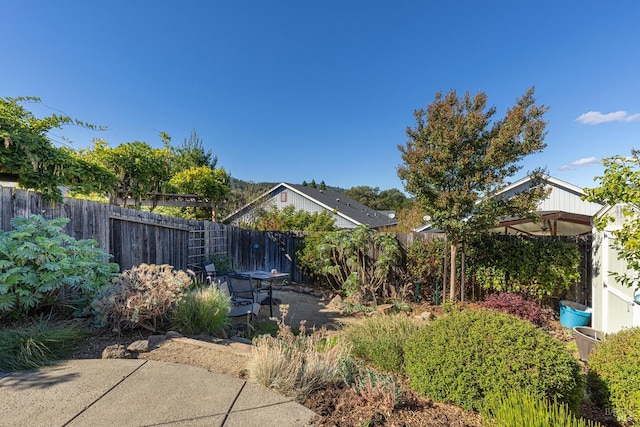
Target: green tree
364	194
392	199
620	184
191	154
26	151
457	158
384	200
139	169
409	218
204	181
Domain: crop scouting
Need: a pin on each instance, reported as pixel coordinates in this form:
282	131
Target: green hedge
614	374
467	357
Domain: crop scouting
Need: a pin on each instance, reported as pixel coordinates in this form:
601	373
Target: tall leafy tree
194	172
364	194
27	151
191	154
410	217
457	157
620	184
391	199
204	181
139	168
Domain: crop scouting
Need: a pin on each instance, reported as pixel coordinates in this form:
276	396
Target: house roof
562	213
332	201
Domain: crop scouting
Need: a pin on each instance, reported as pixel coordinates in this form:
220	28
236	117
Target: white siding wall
562	199
613	306
285	197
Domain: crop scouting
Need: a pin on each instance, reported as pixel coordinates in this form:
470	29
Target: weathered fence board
134	236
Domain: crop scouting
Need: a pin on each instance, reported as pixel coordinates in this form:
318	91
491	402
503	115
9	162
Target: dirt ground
232	357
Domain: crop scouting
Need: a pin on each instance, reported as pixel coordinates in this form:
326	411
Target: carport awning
549	223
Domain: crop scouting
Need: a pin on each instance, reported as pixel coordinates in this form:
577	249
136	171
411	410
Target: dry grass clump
294	364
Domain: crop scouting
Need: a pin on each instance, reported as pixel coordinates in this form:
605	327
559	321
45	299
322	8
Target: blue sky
324	90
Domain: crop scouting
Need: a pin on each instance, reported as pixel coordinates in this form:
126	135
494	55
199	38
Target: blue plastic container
574	314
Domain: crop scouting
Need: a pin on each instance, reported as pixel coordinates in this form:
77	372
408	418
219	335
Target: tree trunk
452	277
462	266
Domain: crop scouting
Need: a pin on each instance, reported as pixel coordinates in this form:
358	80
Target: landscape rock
140	346
156	340
117	351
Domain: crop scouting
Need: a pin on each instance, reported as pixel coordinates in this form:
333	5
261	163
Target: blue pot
574	314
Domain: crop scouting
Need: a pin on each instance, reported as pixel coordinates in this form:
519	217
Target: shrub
201	310
523	409
295	364
614	374
41	266
532	266
517	306
37	345
141	296
343	260
380	340
464	357
425	260
370	386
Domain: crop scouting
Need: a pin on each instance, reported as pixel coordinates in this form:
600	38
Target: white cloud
586	161
596	117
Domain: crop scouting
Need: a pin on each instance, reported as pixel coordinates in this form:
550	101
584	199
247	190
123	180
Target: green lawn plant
41	266
614	374
514	408
380	339
37	345
142	296
202	310
464	357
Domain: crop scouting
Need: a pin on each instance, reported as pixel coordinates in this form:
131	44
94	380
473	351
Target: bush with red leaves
516	305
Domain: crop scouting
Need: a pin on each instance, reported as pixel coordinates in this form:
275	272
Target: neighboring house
562	213
613	303
347	212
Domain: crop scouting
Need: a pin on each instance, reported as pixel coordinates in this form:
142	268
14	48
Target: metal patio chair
244	288
240	307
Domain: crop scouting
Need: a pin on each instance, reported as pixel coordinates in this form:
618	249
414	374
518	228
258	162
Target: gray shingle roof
346	206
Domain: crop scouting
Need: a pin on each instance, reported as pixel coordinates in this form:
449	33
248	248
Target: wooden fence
133	237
